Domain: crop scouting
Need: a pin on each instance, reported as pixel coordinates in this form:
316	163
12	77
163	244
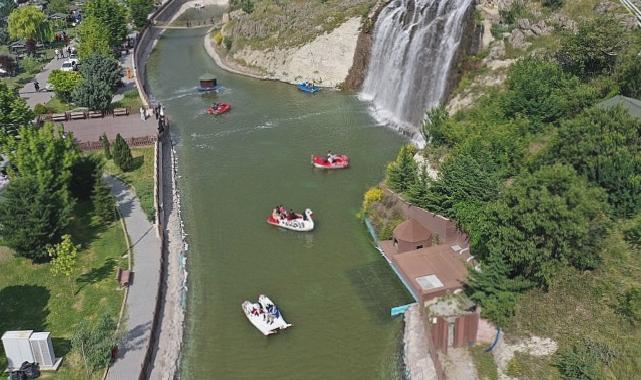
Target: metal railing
633	8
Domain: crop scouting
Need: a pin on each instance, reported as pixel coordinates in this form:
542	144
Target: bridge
187	24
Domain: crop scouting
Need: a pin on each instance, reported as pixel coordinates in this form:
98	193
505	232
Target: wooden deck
132	128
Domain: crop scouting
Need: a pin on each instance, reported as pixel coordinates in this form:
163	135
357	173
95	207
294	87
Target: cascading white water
415	42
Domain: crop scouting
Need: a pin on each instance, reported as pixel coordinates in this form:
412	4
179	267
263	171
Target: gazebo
411	235
207	82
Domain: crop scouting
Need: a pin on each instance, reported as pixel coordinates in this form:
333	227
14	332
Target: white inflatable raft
268	319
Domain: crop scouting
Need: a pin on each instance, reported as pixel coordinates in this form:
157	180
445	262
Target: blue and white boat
308	87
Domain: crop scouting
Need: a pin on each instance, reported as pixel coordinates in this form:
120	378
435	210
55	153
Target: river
331	283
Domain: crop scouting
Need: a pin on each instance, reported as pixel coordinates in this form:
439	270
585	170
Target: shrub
433	126
578	363
122	154
554	4
630	305
84	173
374	194
93	94
40	109
8	63
228	43
106	146
30	65
218	37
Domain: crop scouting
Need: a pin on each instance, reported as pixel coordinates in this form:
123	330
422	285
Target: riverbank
326	60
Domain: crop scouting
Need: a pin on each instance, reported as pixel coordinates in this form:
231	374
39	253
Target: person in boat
330	157
291	215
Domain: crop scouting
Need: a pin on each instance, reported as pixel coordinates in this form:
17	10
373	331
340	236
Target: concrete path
29	93
87	130
143	292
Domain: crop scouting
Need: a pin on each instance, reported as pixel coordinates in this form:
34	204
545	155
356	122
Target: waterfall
415	45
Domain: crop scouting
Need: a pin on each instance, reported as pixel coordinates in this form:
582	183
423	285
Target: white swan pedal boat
264	315
297	222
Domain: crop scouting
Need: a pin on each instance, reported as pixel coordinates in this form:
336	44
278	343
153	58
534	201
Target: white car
69	65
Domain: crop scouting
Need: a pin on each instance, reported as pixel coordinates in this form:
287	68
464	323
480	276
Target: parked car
70	65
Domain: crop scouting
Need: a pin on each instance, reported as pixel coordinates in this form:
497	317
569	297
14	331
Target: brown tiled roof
411	231
439	260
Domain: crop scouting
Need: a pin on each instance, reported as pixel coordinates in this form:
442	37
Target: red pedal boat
339	161
218	108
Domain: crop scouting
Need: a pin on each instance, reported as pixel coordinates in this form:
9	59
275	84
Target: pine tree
418	192
401	173
106	146
122	154
103	203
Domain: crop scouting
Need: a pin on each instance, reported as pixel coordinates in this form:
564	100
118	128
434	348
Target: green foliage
58	6
603	145
628	75
540	91
30	65
112	15
228	43
64	83
554	4
139	10
9	64
84	173
94	38
94	95
516	11
31	24
40	109
94	342
64	257
630	305
401	173
14	111
106	146
594	48
246	5
578	363
633	234
30	217
493	289
484	363
104	203
433	125
543	221
100	68
218	37
122	154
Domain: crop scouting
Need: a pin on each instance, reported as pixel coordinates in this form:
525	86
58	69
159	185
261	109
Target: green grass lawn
33	299
131	100
141	178
55	105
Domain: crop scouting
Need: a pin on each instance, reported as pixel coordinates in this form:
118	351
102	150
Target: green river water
331	283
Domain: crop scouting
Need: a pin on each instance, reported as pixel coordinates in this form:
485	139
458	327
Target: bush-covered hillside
265	24
546	181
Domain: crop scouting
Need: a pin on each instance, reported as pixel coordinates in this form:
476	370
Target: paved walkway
143	292
89	130
29	93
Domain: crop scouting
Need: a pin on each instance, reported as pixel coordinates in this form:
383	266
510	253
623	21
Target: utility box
42	351
27	346
17	348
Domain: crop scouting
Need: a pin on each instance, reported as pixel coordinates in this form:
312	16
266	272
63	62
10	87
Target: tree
31	24
14	112
6	6
94	342
94	95
433	126
542	221
102	68
603	145
104	203
594	48
491	287
112	15
139	11
540	91
8	63
29	218
64	83
122	154
106	146
94	38
84	174
628	76
64	257
47	156
401	173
